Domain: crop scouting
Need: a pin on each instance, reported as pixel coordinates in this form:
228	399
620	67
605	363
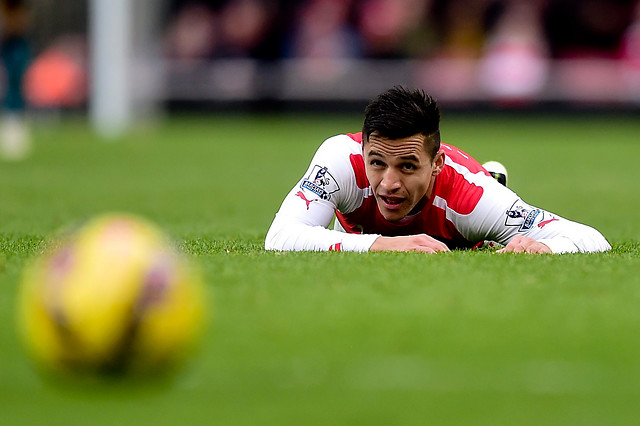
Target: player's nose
390	180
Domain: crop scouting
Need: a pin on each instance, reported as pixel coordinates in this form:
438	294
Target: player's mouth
392	203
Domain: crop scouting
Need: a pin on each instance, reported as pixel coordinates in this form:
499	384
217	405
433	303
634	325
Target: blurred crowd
392	29
513	41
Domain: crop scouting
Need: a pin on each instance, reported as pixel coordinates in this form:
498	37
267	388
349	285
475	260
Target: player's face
400	172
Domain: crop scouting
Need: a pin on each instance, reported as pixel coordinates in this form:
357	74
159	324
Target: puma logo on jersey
546	222
306	200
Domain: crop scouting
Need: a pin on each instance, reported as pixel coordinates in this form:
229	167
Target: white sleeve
306	212
501	215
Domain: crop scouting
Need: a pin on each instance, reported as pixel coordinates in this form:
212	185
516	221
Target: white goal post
125	76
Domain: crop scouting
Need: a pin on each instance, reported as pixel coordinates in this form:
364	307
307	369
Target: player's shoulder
333	174
338	153
343	143
459	159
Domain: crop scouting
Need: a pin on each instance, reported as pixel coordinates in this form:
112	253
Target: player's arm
306	212
297	229
308	231
522	244
420	242
560	235
502	216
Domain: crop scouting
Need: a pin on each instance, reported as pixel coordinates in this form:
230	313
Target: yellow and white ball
114	297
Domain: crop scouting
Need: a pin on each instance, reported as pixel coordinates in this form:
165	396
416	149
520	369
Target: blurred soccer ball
114	297
498	171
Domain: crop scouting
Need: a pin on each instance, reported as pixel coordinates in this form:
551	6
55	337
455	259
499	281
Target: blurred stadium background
187	54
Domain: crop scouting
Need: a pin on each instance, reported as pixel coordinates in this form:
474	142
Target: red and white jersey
467	207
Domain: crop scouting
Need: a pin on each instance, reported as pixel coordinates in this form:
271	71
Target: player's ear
438	163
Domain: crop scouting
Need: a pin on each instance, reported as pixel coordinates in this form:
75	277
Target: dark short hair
400	112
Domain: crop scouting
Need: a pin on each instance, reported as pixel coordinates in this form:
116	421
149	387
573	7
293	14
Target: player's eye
409	167
376	163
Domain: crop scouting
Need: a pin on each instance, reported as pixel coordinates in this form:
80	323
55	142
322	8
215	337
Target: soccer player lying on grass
396	187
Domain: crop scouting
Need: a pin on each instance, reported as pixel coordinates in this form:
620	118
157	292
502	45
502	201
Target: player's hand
420	242
520	244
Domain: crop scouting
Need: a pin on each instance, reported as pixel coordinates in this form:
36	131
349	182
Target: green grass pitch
344	338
